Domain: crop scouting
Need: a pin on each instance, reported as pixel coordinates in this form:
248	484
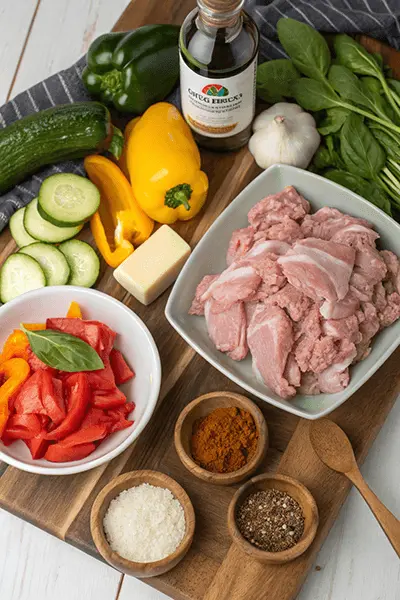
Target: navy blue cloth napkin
378	18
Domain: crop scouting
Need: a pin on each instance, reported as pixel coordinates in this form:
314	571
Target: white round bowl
133	339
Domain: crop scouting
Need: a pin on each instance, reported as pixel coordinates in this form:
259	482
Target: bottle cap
220	13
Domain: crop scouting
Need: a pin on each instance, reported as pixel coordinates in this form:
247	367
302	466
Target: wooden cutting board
213	569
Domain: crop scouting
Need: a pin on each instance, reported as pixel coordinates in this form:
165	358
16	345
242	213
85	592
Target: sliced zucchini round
83	262
44	231
19	233
68	200
20	274
53	262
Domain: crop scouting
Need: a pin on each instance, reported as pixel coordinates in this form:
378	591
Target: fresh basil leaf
314	95
361	153
354	56
63	351
333	120
305	46
367	189
275	78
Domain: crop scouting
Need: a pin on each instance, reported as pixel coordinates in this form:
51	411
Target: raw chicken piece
323	354
231	286
393	271
357	236
270	339
387	304
287	231
347	328
336	377
320	269
227	330
292	372
342	308
369	326
309	384
272	209
391	312
264	262
369	269
241	242
327	222
276	247
250	308
297	305
197	307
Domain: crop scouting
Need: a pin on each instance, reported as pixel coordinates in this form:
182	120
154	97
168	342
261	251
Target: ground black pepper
271	520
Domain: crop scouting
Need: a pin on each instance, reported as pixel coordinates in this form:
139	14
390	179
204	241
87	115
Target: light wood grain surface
36	39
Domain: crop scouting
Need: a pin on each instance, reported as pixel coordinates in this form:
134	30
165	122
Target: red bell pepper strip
96	416
29	399
56	453
103	379
52	400
38	445
78	402
109	400
85	436
121	412
23	427
121	370
122	424
36	364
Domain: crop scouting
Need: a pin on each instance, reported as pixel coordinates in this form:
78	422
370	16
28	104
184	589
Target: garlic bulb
284	133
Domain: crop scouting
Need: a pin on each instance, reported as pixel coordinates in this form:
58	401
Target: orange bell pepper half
16	371
74	311
120	223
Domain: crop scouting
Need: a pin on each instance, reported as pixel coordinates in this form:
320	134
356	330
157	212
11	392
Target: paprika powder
225	440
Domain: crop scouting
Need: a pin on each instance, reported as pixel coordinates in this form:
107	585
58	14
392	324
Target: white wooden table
38	38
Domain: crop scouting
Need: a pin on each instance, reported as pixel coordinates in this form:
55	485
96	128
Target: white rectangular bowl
209	257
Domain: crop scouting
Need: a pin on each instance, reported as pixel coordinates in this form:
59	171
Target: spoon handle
388	522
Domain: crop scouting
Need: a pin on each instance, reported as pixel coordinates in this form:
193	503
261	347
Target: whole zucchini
61	133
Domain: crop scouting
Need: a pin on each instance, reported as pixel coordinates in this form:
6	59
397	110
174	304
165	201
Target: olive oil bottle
218	63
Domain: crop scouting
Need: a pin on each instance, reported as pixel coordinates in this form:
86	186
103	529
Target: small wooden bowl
101	504
201	407
285	484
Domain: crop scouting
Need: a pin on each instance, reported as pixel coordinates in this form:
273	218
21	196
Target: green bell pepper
133	70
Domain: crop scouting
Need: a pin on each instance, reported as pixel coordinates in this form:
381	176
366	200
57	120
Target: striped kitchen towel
378	18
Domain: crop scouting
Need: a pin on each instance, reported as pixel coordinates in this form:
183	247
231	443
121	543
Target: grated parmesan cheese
145	523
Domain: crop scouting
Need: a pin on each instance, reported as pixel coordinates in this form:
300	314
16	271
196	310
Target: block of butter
153	266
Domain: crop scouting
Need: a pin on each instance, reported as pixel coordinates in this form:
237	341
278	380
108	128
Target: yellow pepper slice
15	346
164	165
74	311
123	158
34	326
16	371
120	223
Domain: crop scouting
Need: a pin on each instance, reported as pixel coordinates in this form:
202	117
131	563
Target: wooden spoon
333	447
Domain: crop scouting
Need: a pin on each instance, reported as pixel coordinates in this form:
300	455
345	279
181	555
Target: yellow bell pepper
15	371
16	345
122	162
164	165
34	326
74	311
120	223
